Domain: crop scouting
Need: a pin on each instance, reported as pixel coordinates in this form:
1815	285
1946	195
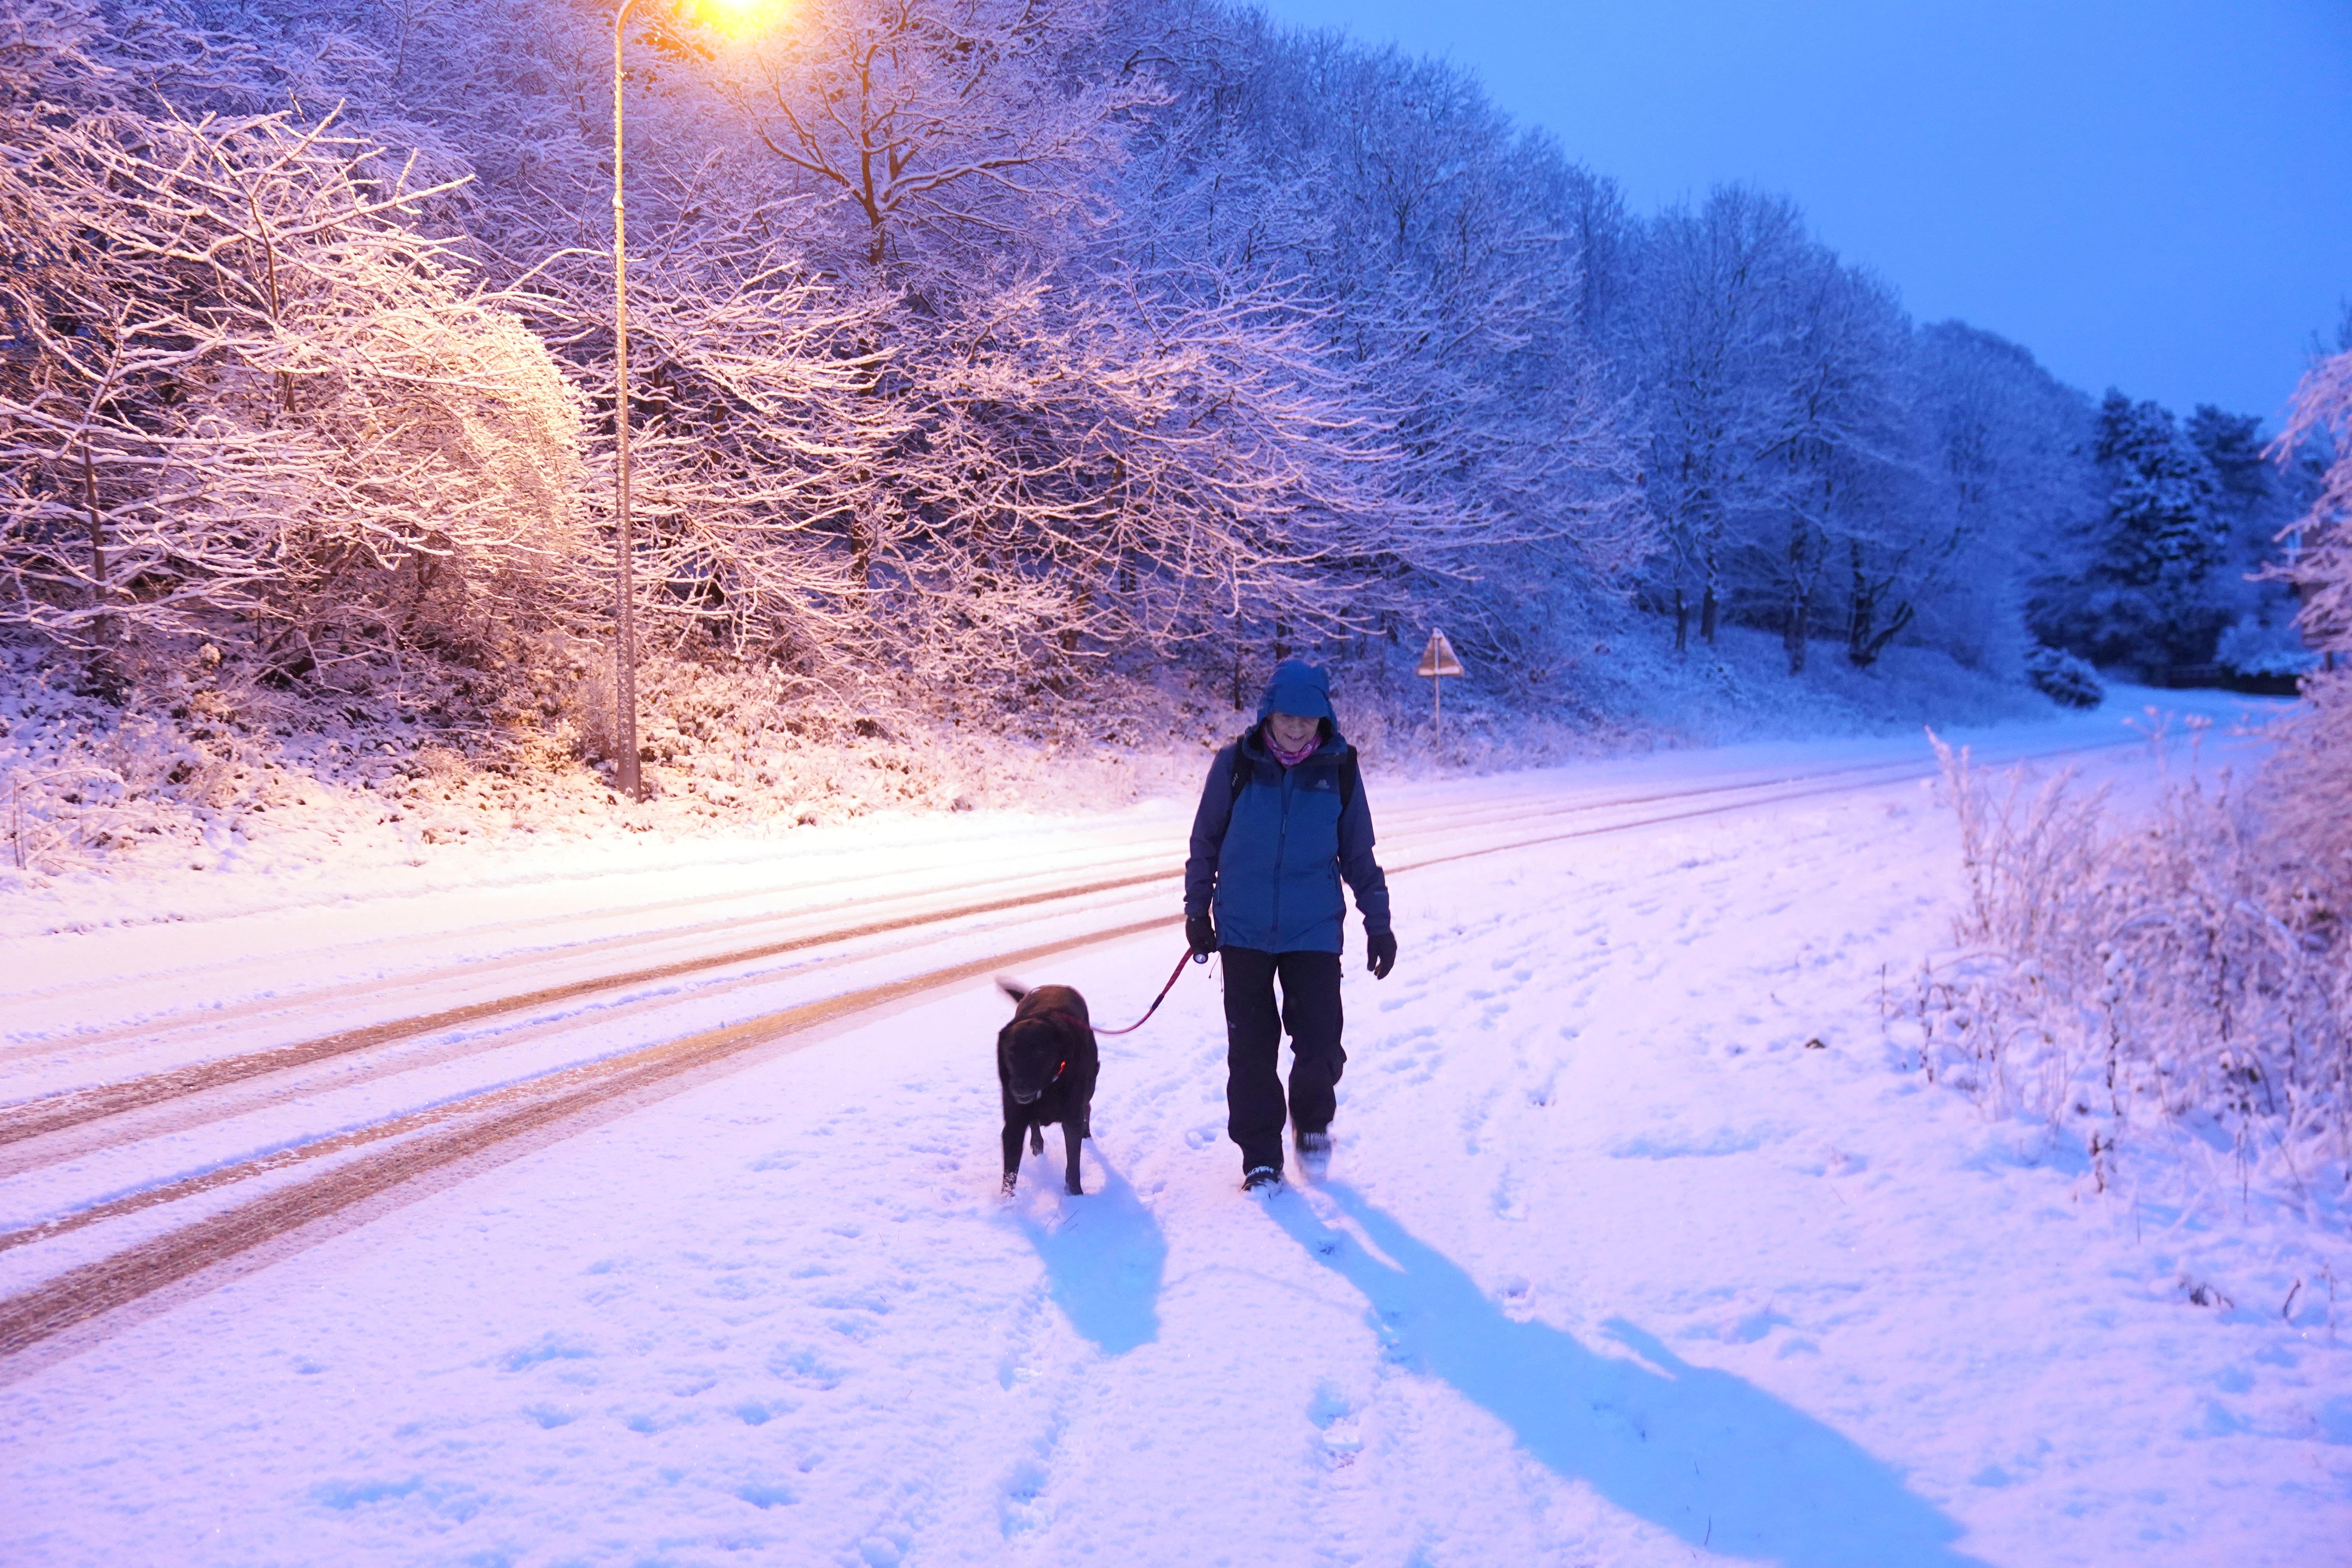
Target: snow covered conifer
2162	506
2138	591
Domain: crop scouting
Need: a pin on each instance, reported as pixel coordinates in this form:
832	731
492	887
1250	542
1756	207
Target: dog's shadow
1706	1455
1103	1256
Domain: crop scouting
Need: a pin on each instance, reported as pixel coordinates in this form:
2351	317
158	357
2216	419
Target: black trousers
1254	1030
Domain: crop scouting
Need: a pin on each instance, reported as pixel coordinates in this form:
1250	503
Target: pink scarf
1292	759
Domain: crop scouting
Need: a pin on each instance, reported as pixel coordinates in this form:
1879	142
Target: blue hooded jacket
1269	857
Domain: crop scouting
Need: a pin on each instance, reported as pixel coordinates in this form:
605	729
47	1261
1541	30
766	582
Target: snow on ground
330	842
1642	1246
217	793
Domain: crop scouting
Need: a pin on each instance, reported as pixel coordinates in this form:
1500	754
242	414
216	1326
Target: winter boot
1263	1179
1314	1153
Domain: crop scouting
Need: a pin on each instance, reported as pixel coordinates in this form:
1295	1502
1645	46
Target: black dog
1046	1064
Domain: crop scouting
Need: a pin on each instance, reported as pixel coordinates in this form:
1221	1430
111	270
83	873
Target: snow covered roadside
1614	1268
326	852
220	802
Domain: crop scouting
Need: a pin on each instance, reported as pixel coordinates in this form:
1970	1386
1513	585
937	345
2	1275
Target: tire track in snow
1403	824
1088	846
53	1113
148	1030
468	1127
72	1108
486	1120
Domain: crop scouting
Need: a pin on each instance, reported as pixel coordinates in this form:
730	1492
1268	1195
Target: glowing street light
737	18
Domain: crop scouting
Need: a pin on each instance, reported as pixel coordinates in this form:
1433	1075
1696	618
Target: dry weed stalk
2177	969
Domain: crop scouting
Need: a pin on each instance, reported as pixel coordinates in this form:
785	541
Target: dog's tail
1011	987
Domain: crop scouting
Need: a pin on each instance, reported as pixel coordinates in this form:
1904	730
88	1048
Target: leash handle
1173	976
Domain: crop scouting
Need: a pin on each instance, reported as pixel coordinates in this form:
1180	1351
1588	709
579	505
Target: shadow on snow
1704	1453
1103	1256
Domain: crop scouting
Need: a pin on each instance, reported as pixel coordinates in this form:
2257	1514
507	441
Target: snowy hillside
1646	1240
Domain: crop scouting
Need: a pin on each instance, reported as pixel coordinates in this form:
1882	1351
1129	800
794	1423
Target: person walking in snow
1282	821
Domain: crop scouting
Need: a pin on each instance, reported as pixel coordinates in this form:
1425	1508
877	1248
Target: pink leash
1175	976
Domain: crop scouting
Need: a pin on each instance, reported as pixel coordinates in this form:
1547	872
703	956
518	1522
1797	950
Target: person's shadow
1103	1256
1704	1453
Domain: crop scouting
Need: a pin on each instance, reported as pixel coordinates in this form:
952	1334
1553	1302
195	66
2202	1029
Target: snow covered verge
1648	1242
193	770
2173	970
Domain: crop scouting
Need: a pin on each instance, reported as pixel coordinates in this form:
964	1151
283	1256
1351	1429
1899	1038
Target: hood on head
1300	688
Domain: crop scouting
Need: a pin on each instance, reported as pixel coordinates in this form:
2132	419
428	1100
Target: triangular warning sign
1438	658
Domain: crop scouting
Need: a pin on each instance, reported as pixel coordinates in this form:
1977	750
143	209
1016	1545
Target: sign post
1437	662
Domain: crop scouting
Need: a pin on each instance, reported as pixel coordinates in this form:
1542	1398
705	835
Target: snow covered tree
1843	463
1440	251
246	397
2257	500
2319	557
2013	450
2162	508
978	345
2138	594
1705	337
2309	783
967	124
1786	460
1106	442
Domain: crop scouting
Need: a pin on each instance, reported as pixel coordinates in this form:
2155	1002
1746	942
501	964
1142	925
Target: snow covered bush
245	397
2308	787
2061	676
2256	644
2196	967
2115	973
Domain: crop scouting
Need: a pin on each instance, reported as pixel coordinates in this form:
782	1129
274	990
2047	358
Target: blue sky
2146	194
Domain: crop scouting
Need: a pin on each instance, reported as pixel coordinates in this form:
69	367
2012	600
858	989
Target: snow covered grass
2157	985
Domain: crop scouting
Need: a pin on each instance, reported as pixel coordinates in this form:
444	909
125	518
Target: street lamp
739	15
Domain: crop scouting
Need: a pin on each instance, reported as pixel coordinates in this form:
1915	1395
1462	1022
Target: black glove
1379	953
1201	932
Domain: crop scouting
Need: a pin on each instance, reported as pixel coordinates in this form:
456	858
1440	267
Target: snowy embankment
1645	1242
230	797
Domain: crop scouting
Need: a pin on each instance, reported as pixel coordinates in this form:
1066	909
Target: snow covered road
1639	1247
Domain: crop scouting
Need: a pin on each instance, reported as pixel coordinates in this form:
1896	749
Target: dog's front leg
1073	1132
1012	1155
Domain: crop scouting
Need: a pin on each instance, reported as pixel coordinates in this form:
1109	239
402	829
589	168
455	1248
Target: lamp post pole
625	653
